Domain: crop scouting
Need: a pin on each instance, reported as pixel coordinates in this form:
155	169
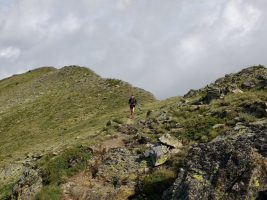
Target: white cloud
11	53
241	17
167	47
123	4
71	23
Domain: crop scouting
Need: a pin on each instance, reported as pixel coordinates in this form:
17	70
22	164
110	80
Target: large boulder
169	140
159	155
232	168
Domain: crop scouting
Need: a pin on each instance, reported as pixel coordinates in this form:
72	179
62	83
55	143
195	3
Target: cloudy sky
164	46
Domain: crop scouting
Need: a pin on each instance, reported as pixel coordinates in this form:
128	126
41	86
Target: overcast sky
164	46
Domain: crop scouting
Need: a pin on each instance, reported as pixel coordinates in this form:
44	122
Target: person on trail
132	103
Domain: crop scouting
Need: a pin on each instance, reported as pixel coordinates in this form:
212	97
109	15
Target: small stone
237	91
146	170
217	126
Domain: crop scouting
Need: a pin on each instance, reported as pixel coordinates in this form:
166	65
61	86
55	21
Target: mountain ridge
227	107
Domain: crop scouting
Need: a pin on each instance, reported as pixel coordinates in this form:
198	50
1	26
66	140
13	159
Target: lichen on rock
229	168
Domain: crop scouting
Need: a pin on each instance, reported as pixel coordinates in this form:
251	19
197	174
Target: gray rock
212	93
191	93
169	140
239	126
247	85
232	168
159	155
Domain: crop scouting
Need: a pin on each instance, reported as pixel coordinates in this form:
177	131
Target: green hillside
52	122
47	108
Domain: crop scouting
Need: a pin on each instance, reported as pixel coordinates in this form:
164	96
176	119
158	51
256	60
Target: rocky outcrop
252	78
191	93
212	93
230	168
257	109
248	85
111	175
28	186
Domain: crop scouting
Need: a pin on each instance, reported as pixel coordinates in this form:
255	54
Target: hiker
132	103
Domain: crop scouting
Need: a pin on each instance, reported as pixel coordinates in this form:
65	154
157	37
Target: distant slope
47	107
251	78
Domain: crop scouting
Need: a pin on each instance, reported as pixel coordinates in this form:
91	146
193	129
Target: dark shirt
132	101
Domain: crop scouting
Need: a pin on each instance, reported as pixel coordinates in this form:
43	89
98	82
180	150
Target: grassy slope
68	104
46	107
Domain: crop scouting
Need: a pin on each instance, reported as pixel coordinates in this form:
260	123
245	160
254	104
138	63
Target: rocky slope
230	167
210	144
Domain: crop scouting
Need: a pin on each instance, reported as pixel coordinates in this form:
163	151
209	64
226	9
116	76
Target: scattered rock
239	126
28	186
260	123
37	156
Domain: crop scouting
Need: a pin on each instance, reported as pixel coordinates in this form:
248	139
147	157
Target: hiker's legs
132	111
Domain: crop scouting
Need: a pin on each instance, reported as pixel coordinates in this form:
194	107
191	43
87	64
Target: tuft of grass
51	192
55	169
6	191
197	127
68	163
153	185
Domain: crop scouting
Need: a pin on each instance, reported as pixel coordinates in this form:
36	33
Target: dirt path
80	185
